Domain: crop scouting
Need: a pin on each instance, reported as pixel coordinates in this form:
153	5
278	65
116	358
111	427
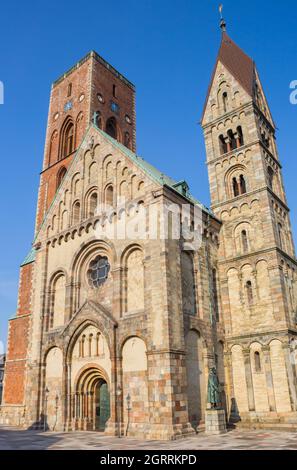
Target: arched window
134	288
90	344
280	235
235	187
225	101
127	139
76	213
111	127
69	90
265	139
92	205
188	281
114	91
60	176
97	343
249	292
52	148
257	358
98	119
109	195
223	144
270	176
244	240
232	140
67	146
240	140
242	185
83	339
58	302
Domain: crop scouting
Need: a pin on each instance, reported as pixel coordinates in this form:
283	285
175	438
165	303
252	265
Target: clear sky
167	48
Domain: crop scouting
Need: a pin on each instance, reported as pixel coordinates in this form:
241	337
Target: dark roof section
237	62
103	62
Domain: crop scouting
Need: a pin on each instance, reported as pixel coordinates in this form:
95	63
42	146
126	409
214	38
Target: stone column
249	379
81	410
68	300
114	424
85	411
75	411
269	378
91	410
280	307
231	414
290	376
41	402
69	397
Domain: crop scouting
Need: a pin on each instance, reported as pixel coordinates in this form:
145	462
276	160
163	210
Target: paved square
15	439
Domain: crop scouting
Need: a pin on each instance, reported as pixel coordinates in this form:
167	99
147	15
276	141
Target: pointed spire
222	22
237	62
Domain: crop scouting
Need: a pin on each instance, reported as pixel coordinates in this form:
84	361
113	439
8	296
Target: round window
100	98
128	119
98	271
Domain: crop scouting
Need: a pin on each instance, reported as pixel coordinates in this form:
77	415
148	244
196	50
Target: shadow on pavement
19	439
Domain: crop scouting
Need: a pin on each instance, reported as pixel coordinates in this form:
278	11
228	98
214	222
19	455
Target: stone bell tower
257	258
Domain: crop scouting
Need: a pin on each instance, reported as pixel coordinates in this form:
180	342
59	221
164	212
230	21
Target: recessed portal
102	405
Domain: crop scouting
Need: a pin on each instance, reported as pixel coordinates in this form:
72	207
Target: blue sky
167	48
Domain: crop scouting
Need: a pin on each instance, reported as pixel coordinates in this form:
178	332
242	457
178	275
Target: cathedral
117	333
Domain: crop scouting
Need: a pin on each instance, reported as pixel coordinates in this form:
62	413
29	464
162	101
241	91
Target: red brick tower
91	91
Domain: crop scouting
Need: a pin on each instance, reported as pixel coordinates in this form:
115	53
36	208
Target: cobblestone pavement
15	439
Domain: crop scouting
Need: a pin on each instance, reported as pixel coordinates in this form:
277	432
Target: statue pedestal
215	422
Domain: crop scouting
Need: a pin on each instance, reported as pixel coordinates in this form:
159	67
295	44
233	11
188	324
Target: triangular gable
94	306
149	170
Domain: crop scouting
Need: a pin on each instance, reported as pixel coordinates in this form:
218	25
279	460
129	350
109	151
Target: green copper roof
30	257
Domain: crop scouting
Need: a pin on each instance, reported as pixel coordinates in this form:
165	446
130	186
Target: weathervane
222	22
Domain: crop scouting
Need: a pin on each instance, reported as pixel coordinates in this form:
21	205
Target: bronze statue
213	389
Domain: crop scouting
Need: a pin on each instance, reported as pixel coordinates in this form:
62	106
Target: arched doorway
102	405
91	408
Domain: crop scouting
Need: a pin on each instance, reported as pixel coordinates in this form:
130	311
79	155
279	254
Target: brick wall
25	290
18	340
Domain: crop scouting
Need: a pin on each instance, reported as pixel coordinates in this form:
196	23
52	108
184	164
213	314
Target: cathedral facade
117	332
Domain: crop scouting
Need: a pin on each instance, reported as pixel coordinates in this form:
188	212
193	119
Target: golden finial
222	22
